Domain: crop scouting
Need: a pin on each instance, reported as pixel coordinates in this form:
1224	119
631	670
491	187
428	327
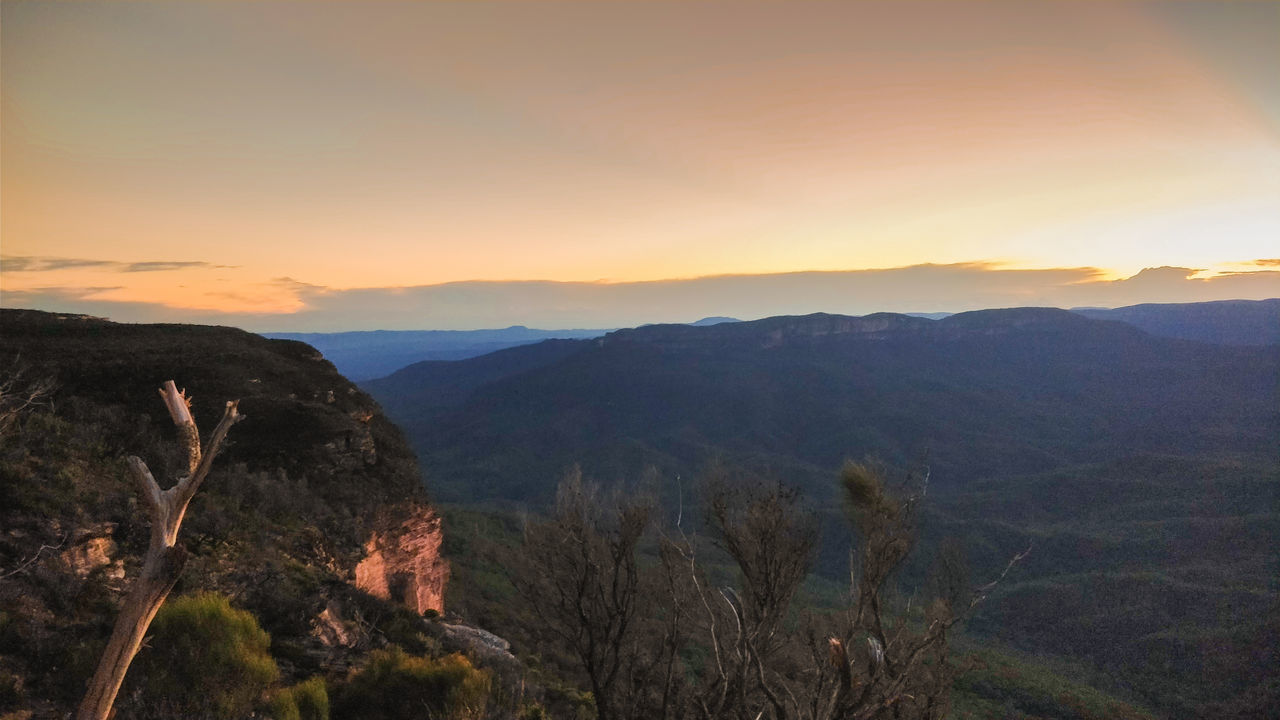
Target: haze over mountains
364	355
1226	322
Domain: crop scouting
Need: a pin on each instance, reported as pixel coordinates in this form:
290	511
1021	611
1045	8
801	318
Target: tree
165	558
772	542
580	576
20	394
885	666
761	657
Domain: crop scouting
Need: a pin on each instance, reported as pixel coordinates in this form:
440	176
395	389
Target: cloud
1267	262
32	263
78	292
20	263
160	266
545	304
80	301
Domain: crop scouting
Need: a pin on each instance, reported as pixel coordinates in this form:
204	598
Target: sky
342	166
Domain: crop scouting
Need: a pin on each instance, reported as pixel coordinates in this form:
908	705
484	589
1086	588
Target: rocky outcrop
403	563
332	630
95	548
480	644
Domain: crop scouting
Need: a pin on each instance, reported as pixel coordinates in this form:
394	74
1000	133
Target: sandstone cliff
403	562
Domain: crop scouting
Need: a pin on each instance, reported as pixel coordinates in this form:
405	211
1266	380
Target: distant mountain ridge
1225	322
979	388
366	354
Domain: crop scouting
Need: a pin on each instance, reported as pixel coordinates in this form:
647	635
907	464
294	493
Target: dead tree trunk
165	558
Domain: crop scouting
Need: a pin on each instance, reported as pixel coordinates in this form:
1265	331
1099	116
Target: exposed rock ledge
403	563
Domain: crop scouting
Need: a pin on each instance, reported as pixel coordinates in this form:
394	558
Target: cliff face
403	563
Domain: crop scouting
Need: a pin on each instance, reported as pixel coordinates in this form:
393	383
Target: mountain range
368	354
1140	469
365	354
979	394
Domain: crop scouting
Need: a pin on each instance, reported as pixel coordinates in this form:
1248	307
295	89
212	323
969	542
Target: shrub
205	660
308	700
395	685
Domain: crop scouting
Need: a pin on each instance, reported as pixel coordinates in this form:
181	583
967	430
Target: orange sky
377	145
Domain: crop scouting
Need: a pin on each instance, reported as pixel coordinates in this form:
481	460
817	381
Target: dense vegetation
273	535
505	567
1142	469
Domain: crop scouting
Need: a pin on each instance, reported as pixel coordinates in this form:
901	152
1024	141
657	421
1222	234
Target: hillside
313	519
1225	322
1141	469
980	394
366	354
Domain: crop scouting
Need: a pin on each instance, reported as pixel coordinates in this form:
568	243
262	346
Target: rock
482	645
403	563
332	630
94	548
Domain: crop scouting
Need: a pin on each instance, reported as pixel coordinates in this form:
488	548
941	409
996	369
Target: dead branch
165	558
23	565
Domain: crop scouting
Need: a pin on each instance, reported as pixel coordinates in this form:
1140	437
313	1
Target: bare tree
580	576
886	664
759	657
772	543
165	558
19	394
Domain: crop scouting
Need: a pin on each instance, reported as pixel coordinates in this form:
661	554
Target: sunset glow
268	148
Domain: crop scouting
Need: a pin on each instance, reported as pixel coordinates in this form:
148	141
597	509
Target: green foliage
394	685
864	492
1004	685
308	700
479	545
205	659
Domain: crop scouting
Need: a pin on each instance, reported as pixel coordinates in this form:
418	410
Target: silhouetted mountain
363	355
439	384
1225	322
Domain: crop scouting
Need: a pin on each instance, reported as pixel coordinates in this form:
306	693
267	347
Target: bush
395	685
205	659
308	700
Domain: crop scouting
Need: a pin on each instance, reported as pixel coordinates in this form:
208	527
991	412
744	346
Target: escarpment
315	501
403	562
